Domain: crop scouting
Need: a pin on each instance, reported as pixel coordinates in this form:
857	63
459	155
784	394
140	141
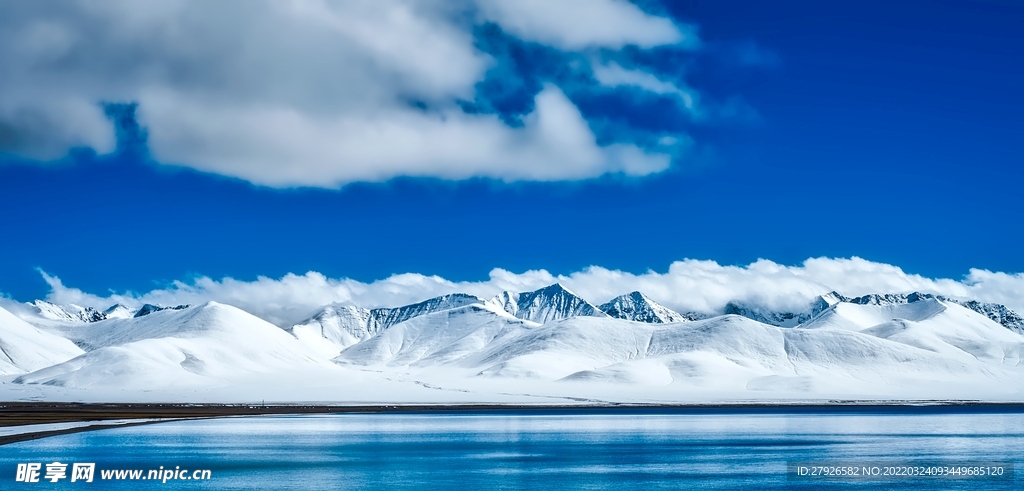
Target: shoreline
21	413
15	414
35	435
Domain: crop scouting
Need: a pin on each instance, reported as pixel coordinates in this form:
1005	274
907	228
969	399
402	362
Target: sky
153	147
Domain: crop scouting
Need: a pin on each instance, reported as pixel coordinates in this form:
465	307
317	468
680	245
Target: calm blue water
527	450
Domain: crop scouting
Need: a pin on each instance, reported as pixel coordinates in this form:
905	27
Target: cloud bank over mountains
688	285
323	93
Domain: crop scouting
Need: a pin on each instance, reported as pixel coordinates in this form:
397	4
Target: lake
551	449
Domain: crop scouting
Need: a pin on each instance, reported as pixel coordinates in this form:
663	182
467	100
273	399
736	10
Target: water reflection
526	450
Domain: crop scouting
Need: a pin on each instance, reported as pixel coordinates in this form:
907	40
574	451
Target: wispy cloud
613	75
688	285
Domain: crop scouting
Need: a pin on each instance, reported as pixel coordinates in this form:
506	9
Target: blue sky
886	131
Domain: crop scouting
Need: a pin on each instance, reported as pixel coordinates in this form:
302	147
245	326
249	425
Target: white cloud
688	285
307	92
579	24
285	148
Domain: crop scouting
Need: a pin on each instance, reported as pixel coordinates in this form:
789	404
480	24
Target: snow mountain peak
550	303
891	298
150	308
636	306
66	313
118	311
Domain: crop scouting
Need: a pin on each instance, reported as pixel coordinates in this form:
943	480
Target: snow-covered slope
766	315
201	345
930	324
998	313
336	327
995	312
783	318
546	304
385	318
24	347
636	306
453	336
824	302
726	351
150	308
864	312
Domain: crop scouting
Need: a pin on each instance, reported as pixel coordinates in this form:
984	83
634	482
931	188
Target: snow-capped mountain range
519	344
76	313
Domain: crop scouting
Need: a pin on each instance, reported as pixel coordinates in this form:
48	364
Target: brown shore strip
31	413
22	437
